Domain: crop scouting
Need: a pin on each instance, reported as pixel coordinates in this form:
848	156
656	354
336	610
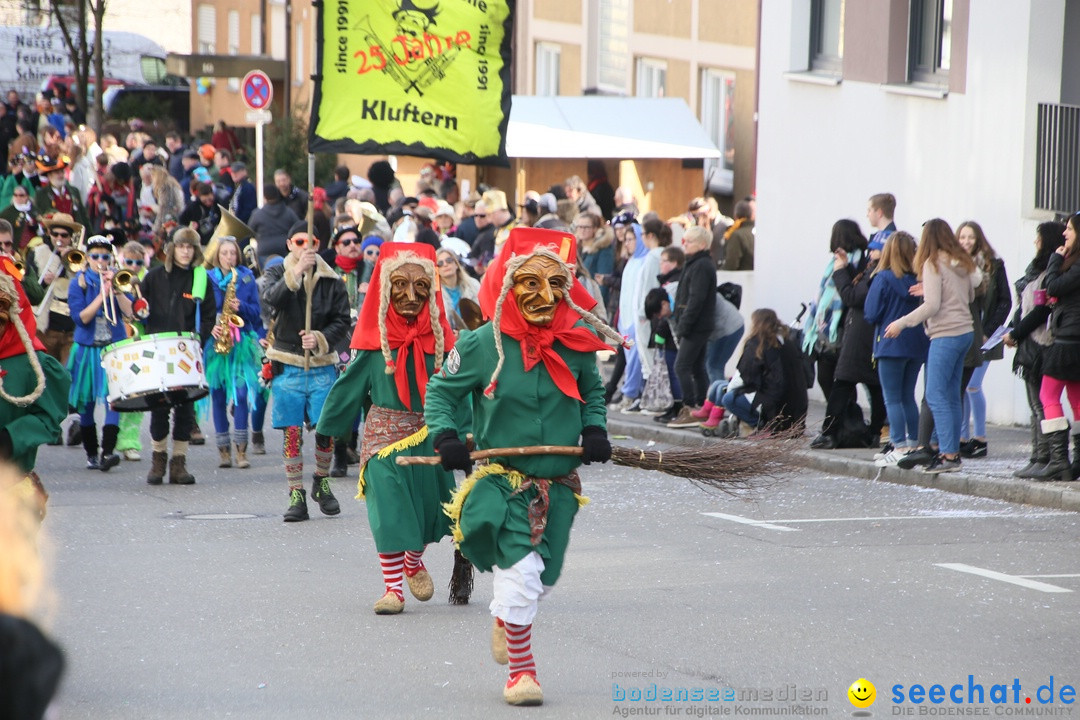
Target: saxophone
228	320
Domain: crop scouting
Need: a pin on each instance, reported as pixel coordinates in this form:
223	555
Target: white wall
823	150
168	23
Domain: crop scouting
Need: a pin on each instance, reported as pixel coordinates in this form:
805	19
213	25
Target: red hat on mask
10	342
415	337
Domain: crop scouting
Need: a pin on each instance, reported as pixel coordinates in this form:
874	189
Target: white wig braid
7	287
388	268
512	266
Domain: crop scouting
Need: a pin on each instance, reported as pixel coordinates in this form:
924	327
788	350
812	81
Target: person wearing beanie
304	362
535	367
99	313
179	301
355	270
400	340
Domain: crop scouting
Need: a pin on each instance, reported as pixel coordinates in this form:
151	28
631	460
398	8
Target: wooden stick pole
308	279
497	452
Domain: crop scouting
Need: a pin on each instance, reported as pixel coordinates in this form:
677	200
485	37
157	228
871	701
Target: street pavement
199	602
990	477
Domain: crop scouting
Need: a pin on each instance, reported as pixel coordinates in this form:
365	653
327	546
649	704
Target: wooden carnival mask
539	286
410	290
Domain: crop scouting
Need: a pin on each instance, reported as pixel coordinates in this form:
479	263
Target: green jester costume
400	338
532	379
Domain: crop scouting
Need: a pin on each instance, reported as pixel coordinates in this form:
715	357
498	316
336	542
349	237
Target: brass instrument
251	257
75	260
124	281
228	320
228	226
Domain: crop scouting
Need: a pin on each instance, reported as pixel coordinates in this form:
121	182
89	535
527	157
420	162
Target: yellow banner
429	78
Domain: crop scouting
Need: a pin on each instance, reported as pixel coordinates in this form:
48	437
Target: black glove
595	445
455	456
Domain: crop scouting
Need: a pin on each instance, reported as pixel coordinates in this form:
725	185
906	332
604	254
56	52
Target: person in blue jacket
233	376
898	359
99	314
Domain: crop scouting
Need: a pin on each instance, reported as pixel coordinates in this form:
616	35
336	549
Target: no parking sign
256	90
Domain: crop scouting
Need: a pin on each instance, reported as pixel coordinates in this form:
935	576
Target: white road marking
780	524
1063	575
749	521
1013	579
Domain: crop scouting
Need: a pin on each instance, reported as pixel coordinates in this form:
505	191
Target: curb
1054	495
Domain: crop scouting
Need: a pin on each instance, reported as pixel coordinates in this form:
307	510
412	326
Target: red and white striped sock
413	562
392	564
519	649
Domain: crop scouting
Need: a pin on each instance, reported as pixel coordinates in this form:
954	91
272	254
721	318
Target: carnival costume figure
178	302
99	312
299	394
532	377
400	340
233	355
58	195
133	258
33	387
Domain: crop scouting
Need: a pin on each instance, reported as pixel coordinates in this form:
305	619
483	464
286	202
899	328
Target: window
256	35
651	77
234	45
613	46
547	68
826	35
718	119
298	56
277	32
931	41
207	29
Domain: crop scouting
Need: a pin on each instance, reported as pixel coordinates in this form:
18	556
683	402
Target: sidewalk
989	477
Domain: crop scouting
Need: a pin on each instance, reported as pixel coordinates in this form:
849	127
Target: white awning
594	126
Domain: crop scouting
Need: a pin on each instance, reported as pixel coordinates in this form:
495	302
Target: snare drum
154	371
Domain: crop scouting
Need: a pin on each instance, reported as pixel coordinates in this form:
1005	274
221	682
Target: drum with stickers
154	371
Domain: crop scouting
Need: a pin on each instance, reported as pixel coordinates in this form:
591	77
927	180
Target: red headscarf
537	341
406	336
10	342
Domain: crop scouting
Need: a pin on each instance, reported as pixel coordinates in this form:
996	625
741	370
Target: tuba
228	320
228	226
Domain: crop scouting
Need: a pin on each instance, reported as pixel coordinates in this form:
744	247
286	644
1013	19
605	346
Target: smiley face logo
862	693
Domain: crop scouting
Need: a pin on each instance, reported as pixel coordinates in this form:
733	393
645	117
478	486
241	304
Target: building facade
702	51
944	103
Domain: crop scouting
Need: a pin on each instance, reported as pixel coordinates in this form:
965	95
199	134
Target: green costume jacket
37	424
491	510
404	504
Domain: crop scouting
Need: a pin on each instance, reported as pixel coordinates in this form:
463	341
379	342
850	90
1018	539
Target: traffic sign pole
257	91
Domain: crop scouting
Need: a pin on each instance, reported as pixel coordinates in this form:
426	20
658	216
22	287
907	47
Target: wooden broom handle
496	452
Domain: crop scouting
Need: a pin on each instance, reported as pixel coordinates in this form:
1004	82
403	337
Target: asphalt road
814	583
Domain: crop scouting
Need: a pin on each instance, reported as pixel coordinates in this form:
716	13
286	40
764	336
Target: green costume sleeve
350	394
591	387
451	389
37	424
34	292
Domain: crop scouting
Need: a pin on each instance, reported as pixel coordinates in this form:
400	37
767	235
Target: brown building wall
732	22
671	18
745	137
567	11
570	70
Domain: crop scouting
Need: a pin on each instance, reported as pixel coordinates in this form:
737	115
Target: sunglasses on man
60	233
134	263
303	241
100	257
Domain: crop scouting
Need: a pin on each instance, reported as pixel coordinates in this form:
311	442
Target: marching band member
58	196
128	443
8	247
299	394
233	375
54	321
401	337
532	376
98	312
178	302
